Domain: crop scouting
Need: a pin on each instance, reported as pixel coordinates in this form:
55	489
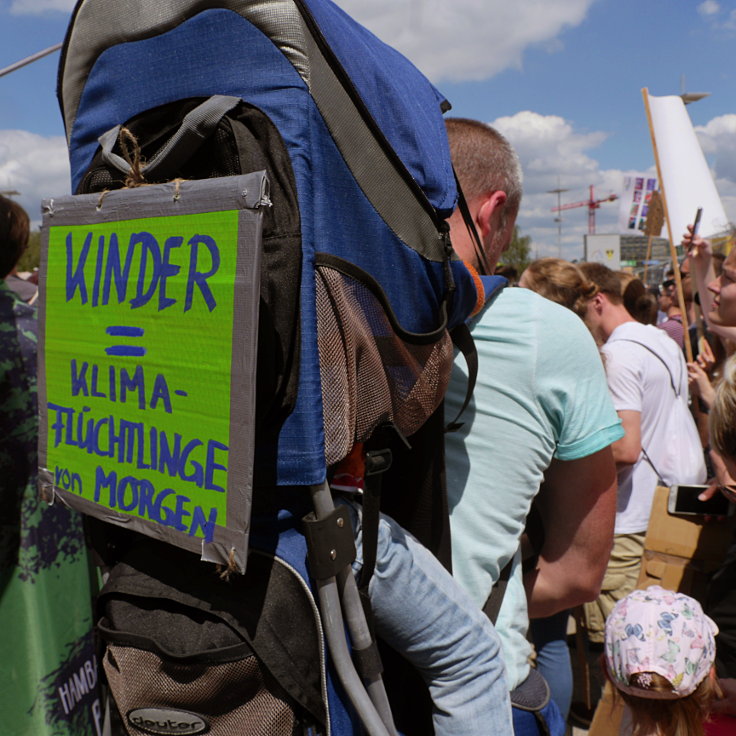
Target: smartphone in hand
684	500
696	222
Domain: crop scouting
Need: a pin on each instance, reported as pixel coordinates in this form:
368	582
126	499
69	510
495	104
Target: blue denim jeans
425	615
527	723
549	636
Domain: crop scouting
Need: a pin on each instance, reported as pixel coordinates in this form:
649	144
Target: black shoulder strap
474	237
660	480
535	533
463	340
495	599
658	357
377	462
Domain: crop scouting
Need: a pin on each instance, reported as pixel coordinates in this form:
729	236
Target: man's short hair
484	161
639	302
14	230
607	281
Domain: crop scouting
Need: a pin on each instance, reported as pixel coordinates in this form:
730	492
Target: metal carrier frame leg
331	553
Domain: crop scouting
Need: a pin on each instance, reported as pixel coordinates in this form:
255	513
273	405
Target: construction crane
592	204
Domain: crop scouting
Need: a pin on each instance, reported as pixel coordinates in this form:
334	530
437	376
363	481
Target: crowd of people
584	404
664	406
581	410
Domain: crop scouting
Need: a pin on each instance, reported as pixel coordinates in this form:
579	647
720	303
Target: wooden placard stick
673	251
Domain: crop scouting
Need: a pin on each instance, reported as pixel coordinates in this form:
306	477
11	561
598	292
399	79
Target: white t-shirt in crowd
646	372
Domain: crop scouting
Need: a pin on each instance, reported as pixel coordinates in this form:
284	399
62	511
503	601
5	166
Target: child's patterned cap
657	630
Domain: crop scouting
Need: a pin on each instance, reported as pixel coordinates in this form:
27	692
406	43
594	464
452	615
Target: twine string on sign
103	194
132	154
226	572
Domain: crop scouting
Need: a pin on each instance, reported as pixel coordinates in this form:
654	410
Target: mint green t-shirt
541	393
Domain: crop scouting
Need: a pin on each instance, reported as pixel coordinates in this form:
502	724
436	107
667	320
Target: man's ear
489	212
597	301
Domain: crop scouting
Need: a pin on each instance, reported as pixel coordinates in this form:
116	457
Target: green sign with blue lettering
149	327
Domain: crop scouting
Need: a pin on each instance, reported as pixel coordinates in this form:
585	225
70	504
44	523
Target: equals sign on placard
125	350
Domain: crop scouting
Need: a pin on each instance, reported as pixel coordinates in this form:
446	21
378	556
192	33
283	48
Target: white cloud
711	10
708	7
718	141
35	166
467	39
449	41
555	155
549	148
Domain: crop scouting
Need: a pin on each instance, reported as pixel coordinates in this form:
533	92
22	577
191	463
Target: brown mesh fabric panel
232	696
369	374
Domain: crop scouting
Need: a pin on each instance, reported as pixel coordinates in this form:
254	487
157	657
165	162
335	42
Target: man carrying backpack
539	426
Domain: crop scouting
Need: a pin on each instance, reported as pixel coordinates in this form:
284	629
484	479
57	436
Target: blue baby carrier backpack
359	290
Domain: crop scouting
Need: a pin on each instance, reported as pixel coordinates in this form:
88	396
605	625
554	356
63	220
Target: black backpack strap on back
495	599
533	694
534	531
463	341
368	660
376	463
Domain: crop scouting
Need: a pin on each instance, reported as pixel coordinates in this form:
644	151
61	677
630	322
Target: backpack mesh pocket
185	651
229	698
372	371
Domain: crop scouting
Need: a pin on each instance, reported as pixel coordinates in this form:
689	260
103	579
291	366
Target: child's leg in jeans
423	613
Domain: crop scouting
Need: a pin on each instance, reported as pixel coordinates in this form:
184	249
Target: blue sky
561	78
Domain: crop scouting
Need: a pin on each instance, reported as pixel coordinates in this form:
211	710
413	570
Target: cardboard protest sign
149	314
634	202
